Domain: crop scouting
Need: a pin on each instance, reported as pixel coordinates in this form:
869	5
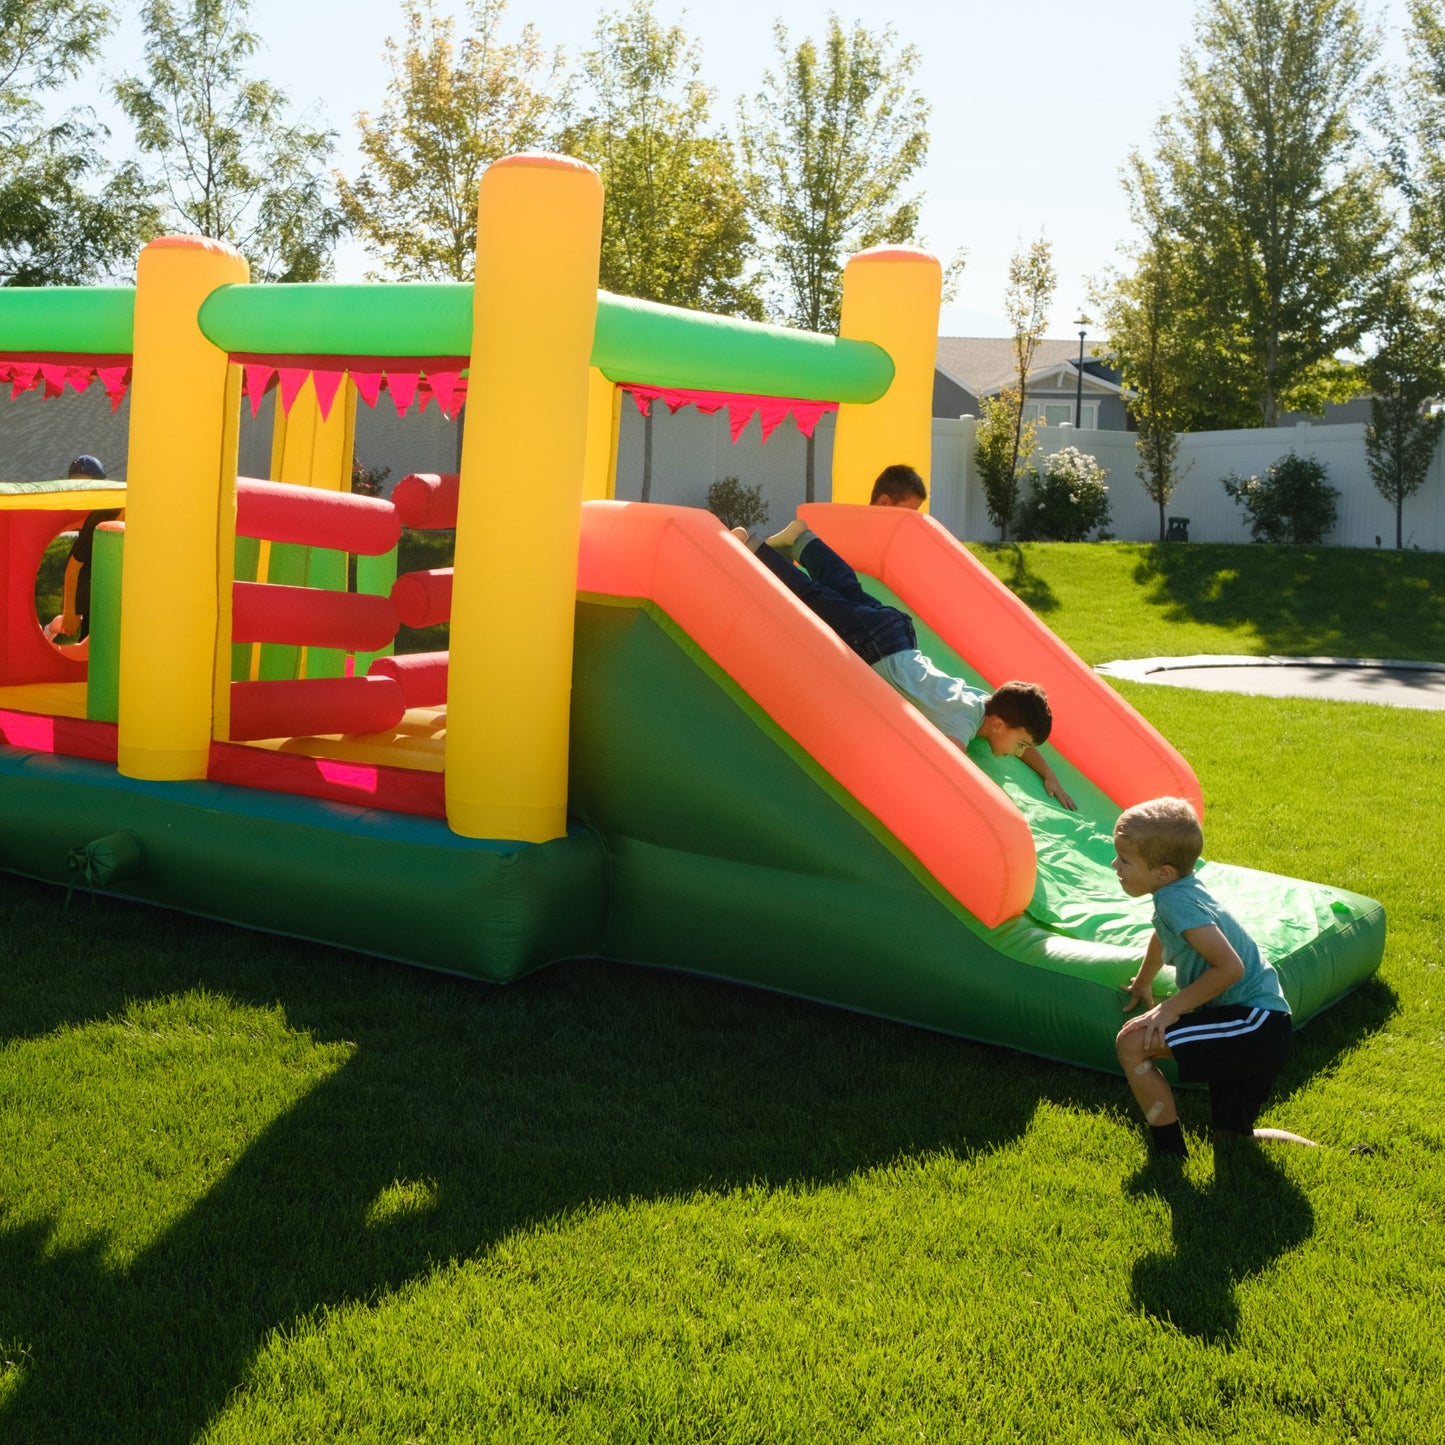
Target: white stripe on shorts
1220	1029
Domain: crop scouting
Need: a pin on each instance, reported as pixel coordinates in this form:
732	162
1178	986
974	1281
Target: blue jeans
829	587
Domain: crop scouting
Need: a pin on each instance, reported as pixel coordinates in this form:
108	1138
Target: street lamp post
1079	391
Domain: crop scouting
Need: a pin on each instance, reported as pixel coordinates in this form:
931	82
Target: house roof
982	364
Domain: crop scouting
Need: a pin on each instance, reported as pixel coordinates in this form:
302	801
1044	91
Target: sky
1034	109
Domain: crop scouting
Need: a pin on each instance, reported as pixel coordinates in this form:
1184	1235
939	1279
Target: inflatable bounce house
639	745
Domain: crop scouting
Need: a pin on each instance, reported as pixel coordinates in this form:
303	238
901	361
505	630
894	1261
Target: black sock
1167	1139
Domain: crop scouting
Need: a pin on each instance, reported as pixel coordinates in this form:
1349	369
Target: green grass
1173	599
253	1191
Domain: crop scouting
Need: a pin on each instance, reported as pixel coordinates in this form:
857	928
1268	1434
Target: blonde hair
1165	831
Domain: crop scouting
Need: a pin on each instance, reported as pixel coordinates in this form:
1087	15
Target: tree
452	108
1004	441
676	227
229	162
998	442
1261	186
736	505
830	146
1405	374
1418	148
1151	346
1026	302
65	217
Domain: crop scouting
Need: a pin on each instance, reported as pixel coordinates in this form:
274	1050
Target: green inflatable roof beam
73	320
324	319
667	346
635	340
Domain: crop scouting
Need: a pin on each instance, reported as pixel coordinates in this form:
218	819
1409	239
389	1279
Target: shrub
1291	502
366	481
735	505
1001	446
1067	501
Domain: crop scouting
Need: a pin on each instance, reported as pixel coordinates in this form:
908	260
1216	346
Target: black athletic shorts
1235	1049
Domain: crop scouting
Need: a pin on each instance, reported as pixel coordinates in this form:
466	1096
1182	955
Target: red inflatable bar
422	599
422	675
427	501
281	512
316	705
311	617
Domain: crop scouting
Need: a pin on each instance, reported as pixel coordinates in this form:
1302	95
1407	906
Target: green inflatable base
389	884
734	855
702	840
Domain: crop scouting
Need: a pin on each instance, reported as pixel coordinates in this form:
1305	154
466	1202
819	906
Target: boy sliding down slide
1013	721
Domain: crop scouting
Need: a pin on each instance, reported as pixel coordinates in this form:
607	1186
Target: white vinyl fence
1365	518
691	451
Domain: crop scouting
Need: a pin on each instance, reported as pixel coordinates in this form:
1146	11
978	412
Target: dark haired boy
899	486
75	595
1229	1024
1013	721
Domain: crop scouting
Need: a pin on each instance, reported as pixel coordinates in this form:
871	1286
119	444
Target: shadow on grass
584	1083
1026	584
1249	1215
1331	1034
1303	601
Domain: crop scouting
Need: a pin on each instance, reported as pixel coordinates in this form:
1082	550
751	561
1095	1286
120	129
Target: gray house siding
950	399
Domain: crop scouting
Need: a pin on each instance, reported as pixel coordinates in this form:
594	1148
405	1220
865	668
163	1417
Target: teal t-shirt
1186	904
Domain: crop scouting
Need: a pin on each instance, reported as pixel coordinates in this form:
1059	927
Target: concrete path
1345	679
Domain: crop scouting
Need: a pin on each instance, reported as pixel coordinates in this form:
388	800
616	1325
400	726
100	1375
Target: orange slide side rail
942	584
958	825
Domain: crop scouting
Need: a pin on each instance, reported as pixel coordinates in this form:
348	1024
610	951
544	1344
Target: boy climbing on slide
1229	1025
1013	721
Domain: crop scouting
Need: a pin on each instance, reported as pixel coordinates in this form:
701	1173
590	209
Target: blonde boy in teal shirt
1228	1026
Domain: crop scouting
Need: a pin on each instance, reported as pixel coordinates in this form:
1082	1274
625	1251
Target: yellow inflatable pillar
226	568
604	417
182	464
891	296
308	450
539	232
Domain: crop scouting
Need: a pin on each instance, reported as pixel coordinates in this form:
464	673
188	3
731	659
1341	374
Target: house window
1060	413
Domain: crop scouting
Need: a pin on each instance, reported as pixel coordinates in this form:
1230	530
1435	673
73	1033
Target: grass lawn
254	1191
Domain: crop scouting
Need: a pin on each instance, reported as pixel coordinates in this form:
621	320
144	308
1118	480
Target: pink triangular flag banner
740	413
807	414
770	414
327	384
24	376
54	378
115	380
368	385
444	387
257	377
740	406
402	386
293	378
